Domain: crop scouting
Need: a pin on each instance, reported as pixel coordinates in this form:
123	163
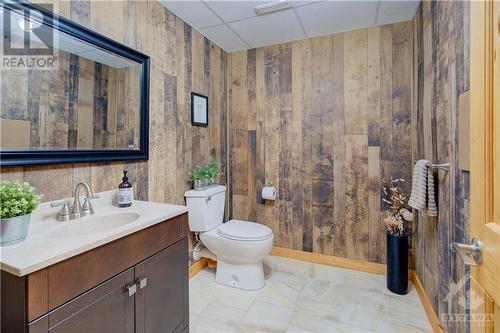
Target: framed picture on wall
199	110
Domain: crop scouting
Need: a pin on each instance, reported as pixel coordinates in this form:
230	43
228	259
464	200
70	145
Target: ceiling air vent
272	7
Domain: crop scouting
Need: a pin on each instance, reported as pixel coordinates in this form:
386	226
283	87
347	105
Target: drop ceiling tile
234	10
224	38
238	10
335	16
396	11
269	29
195	13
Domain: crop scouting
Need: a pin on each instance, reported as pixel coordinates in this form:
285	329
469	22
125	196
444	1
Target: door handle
131	289
469	253
143	282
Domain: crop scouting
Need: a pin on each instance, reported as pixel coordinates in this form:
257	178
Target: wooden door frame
484	134
481	129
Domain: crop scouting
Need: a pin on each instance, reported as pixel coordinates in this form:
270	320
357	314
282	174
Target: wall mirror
68	94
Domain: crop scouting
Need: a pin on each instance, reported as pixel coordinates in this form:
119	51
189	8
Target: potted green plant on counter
17	201
397	224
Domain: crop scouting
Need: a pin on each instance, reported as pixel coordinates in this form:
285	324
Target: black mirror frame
23	158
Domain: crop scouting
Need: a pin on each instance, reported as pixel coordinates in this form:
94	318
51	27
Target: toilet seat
244	231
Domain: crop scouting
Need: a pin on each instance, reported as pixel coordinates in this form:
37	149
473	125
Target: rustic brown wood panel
285	136
330	119
322	145
271	123
181	59
239	126
442	76
252	132
339	198
260	173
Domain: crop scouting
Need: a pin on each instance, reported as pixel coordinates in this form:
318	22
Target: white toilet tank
205	208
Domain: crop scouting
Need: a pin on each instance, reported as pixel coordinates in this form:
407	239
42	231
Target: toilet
238	246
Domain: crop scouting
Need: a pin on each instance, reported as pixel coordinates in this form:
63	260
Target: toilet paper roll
269	193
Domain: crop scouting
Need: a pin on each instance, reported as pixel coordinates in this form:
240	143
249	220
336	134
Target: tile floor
304	297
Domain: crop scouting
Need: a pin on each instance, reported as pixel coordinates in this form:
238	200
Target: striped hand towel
432	209
419	185
422	193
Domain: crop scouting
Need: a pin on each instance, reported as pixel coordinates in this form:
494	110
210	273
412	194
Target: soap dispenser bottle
125	192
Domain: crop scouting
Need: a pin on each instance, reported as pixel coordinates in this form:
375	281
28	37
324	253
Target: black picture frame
24	158
193	120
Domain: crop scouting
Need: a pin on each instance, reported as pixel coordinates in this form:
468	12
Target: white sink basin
92	225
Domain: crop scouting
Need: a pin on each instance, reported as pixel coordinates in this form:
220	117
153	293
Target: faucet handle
63	214
87	208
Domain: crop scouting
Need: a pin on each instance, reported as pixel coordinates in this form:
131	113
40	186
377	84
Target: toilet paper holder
270	191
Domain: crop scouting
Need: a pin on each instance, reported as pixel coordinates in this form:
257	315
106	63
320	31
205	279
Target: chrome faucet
71	211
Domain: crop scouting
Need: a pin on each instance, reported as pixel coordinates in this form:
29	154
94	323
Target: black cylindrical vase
397	264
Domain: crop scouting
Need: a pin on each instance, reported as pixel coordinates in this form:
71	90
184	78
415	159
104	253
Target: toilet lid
244	231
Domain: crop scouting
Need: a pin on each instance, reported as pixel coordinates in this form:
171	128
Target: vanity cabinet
105	308
138	283
162	304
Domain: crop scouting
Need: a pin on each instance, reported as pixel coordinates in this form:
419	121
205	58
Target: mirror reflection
89	100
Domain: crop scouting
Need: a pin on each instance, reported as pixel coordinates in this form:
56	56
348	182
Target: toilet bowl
239	246
240	252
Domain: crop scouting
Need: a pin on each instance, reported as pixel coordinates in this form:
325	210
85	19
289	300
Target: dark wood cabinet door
107	308
162	304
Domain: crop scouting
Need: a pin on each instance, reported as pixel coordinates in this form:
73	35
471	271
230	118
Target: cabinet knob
131	289
143	282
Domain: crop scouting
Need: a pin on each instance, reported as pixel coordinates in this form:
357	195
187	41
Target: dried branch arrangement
397	213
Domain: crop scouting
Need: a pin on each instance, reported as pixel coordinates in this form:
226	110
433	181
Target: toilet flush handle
208	199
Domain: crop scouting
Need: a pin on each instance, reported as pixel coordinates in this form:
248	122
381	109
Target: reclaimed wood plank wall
182	61
441	89
324	119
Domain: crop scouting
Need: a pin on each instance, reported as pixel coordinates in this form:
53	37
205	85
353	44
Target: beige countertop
50	241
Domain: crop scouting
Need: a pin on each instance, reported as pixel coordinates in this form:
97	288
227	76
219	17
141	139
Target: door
485	162
163	291
106	308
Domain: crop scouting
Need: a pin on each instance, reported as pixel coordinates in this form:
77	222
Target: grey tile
406	310
217	318
278	293
265	317
366	312
316	317
302	297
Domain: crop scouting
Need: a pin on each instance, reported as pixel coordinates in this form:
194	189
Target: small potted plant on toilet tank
213	172
17	201
397	218
197	176
204	176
